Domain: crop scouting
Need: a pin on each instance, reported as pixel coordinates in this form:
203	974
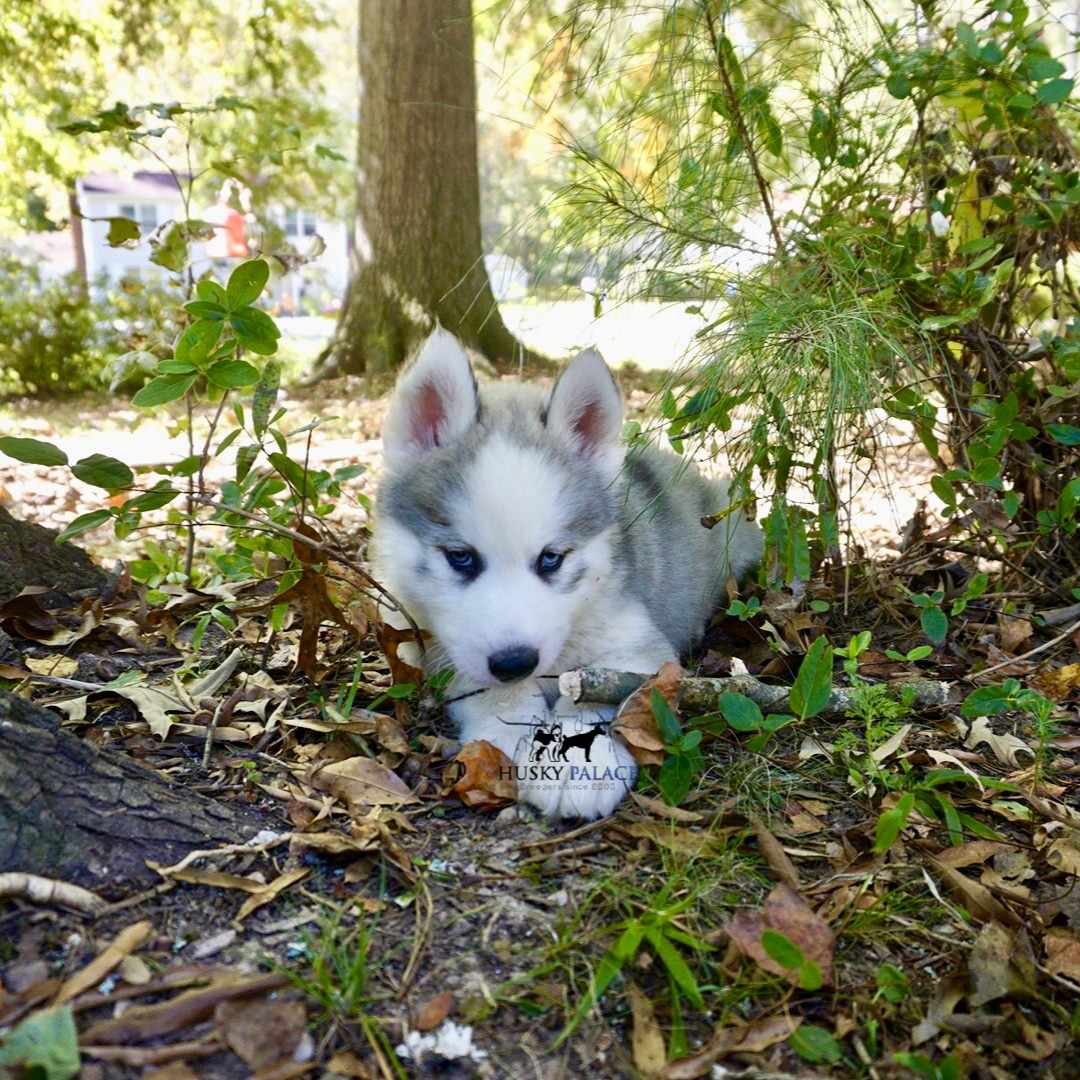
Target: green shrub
50	341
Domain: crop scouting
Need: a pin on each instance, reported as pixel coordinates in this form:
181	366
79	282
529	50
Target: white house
152	199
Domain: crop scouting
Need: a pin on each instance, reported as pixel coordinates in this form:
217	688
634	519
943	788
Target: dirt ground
432	914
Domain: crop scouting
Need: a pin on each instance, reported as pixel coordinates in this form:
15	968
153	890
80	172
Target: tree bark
29	555
417	256
69	811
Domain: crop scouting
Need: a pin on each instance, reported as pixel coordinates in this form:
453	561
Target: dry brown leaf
979	901
975	851
787	913
485	776
659	808
635	721
270	892
682	841
261	1032
142	1023
127	941
390	639
59	667
360	782
1058	684
646	1038
434	1011
1001	964
1006	748
772	851
751	1039
1062	952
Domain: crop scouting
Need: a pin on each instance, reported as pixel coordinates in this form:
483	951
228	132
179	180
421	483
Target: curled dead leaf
360	782
485	776
635	721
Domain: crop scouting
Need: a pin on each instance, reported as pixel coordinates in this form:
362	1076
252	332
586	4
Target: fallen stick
605	687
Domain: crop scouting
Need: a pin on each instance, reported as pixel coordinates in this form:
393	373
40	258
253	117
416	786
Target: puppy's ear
586	410
435	400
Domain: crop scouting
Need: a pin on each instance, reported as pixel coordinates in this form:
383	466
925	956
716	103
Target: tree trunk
72	812
417	256
29	555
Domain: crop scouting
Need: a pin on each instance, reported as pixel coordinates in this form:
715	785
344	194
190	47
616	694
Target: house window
144	214
299	223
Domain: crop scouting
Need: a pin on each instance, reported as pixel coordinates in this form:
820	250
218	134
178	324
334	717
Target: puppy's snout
514	663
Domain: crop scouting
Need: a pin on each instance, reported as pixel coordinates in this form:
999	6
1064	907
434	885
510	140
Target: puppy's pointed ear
435	400
586	410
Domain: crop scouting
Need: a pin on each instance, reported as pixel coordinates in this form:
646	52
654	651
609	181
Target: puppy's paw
574	768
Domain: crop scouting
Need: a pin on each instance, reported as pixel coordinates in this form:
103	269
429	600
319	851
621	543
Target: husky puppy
518	531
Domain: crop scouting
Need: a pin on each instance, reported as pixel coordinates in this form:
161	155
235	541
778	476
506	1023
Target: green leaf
83	523
264	397
815	1044
122	230
1039	68
782	949
674	779
676	966
245	458
32	451
46	1044
176	367
986	471
211	291
195	344
231	373
898	85
739	711
170	248
935	624
103	472
158	496
813	684
666	720
246	283
163	389
295	474
892	821
205	309
1064	434
255	330
1054	92
892	983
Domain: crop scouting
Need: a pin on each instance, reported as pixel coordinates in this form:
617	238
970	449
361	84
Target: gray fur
664	557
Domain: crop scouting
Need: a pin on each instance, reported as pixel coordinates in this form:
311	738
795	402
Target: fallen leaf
1062	952
787	913
360	782
59	667
1006	748
270	892
646	1038
127	941
1001	964
434	1011
1058	684
659	808
774	855
753	1038
635	721
485	776
261	1032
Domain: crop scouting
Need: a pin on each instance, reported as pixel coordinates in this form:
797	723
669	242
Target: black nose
509	665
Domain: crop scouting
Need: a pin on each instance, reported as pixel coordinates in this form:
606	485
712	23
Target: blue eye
548	561
463	561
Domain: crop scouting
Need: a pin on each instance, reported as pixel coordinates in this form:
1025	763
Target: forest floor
898	881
